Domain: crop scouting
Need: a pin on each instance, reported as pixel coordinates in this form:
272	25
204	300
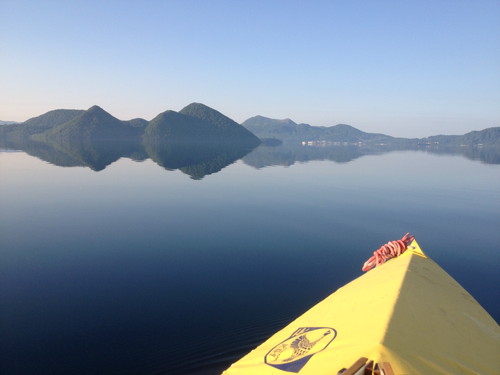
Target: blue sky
404	68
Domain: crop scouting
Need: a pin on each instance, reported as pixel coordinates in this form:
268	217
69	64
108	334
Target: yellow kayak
407	316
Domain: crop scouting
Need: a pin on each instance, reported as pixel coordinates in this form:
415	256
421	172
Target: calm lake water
136	269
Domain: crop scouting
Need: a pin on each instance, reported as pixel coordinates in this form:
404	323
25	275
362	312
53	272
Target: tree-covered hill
489	136
485	137
39	124
138	123
220	124
291	132
95	138
95	123
197	123
171	125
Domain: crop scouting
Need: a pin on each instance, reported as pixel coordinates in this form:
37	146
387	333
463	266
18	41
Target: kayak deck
408	315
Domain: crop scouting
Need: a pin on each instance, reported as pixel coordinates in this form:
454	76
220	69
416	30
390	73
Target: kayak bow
407	316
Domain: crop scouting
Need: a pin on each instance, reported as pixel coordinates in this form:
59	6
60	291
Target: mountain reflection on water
288	154
137	270
196	159
199	159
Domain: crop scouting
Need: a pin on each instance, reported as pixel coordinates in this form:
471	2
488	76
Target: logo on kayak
293	353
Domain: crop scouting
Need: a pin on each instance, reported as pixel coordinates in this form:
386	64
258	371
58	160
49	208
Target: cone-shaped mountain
223	123
171	125
195	123
93	123
202	112
198	123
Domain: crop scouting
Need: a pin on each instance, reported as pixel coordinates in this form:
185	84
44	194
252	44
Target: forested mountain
194	123
293	133
289	131
171	125
95	123
485	137
39	124
199	123
219	124
200	140
138	123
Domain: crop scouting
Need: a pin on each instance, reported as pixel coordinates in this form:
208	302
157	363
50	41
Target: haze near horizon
409	69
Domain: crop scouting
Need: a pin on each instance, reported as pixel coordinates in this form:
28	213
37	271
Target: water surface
138	269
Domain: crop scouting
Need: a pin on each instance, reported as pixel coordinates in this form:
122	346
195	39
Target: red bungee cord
389	250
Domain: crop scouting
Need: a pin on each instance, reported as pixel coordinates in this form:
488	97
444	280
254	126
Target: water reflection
147	272
198	159
289	154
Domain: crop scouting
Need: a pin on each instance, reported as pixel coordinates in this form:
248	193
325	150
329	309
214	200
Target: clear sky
404	68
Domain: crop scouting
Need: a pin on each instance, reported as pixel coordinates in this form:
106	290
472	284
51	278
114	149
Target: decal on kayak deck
293	353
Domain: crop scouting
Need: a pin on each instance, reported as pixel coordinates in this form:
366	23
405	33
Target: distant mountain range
290	132
288	154
199	140
94	123
8	122
199	123
194	123
485	137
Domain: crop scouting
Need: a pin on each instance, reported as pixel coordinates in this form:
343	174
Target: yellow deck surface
408	312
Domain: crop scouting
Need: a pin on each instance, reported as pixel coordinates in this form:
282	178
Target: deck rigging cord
390	250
